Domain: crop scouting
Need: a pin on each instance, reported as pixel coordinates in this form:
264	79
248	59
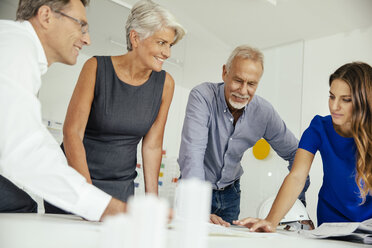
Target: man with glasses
84	25
46	31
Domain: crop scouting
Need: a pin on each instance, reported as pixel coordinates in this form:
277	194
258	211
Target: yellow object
161	174
261	149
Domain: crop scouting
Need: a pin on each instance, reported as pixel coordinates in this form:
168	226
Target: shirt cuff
93	203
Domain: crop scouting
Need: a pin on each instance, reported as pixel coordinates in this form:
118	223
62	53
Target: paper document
237	231
217	230
351	231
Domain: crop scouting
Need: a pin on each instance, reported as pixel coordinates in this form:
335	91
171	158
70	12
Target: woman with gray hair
119	101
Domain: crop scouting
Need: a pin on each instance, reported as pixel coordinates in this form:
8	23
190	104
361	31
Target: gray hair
148	17
245	52
29	8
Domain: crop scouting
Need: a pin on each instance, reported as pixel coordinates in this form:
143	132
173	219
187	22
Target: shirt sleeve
29	155
284	143
194	138
280	137
310	139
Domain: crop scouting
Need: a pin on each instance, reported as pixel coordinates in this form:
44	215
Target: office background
303	43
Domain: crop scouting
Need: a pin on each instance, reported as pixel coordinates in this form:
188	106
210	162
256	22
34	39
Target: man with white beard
222	121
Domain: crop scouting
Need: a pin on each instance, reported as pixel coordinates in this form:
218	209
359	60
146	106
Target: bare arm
288	193
153	141
77	118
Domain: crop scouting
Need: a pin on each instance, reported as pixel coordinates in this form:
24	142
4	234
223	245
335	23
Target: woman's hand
256	225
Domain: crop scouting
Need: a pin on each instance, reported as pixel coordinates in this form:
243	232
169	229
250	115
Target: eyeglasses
84	26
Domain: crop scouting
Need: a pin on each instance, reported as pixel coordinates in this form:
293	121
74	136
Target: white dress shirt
29	155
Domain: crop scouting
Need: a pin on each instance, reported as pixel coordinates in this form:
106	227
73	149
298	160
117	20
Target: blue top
212	148
339	197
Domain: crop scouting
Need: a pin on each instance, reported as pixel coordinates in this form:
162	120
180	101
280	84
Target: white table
54	231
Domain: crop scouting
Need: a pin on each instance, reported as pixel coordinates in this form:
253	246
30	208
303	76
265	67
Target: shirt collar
221	98
42	59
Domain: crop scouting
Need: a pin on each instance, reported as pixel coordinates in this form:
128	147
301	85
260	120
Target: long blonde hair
358	76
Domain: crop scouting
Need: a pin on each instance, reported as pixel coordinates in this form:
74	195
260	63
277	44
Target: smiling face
241	82
341	106
66	39
154	50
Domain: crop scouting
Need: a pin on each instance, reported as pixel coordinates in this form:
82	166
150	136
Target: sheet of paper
366	226
350	231
331	229
217	230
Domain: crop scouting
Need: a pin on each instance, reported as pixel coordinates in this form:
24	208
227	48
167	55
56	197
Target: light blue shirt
212	147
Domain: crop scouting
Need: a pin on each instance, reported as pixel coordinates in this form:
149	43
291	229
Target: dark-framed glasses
84	26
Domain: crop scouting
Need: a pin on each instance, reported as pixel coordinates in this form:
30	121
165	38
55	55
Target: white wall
56	90
7	10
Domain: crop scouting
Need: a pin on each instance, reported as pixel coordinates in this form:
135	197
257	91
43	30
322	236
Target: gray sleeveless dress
121	114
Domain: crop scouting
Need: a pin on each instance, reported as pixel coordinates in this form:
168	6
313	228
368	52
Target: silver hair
148	17
245	52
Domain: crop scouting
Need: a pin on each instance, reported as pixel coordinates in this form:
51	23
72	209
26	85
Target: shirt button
224	111
231	119
223	169
230	138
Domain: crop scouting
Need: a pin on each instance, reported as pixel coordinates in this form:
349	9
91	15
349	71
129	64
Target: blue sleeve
194	137
310	140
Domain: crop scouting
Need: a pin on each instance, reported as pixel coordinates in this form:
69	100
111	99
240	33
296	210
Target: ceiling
264	24
260	23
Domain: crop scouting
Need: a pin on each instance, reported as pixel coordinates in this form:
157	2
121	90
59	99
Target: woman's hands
256	224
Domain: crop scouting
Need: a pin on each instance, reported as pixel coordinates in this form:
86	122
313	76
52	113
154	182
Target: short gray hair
148	17
29	8
245	52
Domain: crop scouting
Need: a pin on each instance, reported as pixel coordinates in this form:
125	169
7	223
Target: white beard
236	105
